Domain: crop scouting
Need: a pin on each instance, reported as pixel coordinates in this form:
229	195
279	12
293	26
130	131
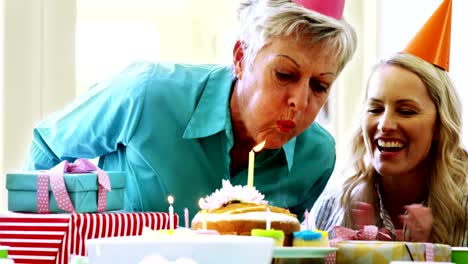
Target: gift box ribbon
57	183
368	232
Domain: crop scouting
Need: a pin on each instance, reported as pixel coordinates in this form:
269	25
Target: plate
302	252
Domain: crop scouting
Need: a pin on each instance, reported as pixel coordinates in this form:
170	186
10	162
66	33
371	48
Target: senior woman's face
282	93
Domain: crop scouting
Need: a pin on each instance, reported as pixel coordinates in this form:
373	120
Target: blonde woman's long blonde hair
448	179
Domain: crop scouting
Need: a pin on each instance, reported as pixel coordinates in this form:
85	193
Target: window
112	34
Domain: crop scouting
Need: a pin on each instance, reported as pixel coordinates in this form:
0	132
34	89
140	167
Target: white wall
401	19
38	69
349	91
2	109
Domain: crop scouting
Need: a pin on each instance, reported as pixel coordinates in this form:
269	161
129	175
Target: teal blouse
169	127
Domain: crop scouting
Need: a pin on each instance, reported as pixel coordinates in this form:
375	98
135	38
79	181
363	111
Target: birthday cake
236	210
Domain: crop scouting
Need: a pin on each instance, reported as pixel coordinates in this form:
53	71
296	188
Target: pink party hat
331	8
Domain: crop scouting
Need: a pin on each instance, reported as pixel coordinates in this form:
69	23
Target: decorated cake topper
228	194
331	8
432	42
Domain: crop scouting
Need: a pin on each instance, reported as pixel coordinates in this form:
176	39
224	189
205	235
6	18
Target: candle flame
259	146
201	203
170	199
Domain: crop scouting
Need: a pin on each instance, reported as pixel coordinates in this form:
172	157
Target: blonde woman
410	168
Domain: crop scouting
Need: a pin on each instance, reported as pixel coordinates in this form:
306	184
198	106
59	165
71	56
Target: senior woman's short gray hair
262	20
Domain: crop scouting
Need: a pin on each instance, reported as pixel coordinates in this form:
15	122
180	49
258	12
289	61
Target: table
54	238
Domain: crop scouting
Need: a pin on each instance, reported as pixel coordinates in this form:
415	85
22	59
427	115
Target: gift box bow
57	184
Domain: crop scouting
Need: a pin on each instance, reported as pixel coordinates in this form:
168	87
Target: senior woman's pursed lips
285	125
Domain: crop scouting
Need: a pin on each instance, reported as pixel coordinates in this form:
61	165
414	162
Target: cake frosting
239	209
241	214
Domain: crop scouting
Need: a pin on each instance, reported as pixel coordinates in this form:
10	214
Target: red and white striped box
54	238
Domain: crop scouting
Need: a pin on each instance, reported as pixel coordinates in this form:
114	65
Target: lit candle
186	216
170	200
201	203
251	168
268	219
250	175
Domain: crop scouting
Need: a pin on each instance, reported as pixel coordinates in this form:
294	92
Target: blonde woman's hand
418	222
363	214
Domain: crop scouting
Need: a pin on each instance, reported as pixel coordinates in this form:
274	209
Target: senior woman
180	129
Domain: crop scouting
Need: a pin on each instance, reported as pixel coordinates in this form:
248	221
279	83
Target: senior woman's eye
318	86
283	76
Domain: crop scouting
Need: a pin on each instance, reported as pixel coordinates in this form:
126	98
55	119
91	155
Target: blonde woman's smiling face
280	95
399	122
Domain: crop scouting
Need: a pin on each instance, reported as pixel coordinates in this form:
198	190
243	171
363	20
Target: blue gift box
81	187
